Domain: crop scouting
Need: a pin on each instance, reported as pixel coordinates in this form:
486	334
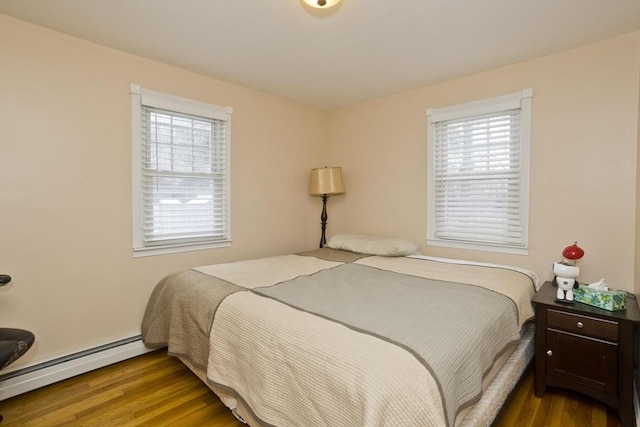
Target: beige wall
65	185
583	159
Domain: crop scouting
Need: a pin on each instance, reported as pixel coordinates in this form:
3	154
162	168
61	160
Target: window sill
478	247
172	249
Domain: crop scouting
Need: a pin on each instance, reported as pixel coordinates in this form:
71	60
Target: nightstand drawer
583	325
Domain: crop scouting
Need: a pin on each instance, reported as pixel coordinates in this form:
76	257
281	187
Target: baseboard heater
39	375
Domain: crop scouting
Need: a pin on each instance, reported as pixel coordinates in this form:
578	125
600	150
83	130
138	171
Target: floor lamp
325	182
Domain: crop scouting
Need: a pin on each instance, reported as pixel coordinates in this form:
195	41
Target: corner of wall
637	259
637	249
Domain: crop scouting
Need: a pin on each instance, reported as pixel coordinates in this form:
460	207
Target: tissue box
608	300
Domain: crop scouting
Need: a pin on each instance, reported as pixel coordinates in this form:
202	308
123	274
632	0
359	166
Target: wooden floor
158	390
557	408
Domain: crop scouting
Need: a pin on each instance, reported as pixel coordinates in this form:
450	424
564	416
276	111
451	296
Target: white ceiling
361	50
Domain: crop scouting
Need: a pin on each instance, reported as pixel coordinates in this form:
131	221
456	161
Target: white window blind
181	173
478	194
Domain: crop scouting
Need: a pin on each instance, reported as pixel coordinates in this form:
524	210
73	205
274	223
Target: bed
351	334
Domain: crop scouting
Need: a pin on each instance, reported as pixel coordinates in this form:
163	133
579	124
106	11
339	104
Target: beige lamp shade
326	181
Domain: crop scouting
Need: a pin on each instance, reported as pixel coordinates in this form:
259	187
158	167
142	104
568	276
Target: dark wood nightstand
586	349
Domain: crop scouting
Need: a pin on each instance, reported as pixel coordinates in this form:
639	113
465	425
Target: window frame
519	100
149	98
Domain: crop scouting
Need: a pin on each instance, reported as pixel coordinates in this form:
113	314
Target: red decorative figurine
566	272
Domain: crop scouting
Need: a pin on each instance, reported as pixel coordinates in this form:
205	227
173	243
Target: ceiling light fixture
322	4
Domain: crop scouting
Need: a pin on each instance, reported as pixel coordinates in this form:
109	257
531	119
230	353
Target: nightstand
586	349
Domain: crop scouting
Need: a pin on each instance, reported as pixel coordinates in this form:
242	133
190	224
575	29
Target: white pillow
372	245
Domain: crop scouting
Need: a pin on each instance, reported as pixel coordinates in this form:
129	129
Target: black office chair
13	342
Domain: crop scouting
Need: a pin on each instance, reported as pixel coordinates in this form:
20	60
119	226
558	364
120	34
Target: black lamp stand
323	220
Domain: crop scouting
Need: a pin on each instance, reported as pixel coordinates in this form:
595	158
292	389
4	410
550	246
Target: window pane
184	177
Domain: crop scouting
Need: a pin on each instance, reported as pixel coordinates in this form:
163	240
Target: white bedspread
297	382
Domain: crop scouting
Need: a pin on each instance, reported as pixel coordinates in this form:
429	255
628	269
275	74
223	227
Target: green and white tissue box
608	300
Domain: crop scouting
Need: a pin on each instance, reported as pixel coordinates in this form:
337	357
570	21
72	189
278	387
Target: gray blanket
180	313
414	313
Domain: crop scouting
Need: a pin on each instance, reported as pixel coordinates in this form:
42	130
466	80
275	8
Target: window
478	189
180	151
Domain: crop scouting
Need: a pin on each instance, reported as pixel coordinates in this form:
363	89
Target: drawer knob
580	325
549	353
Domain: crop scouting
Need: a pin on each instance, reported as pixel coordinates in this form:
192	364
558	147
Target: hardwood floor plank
519	412
598	417
175	406
531	403
580	411
158	390
543	408
556	408
560	416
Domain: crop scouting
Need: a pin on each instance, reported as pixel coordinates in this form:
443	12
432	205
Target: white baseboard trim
42	374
